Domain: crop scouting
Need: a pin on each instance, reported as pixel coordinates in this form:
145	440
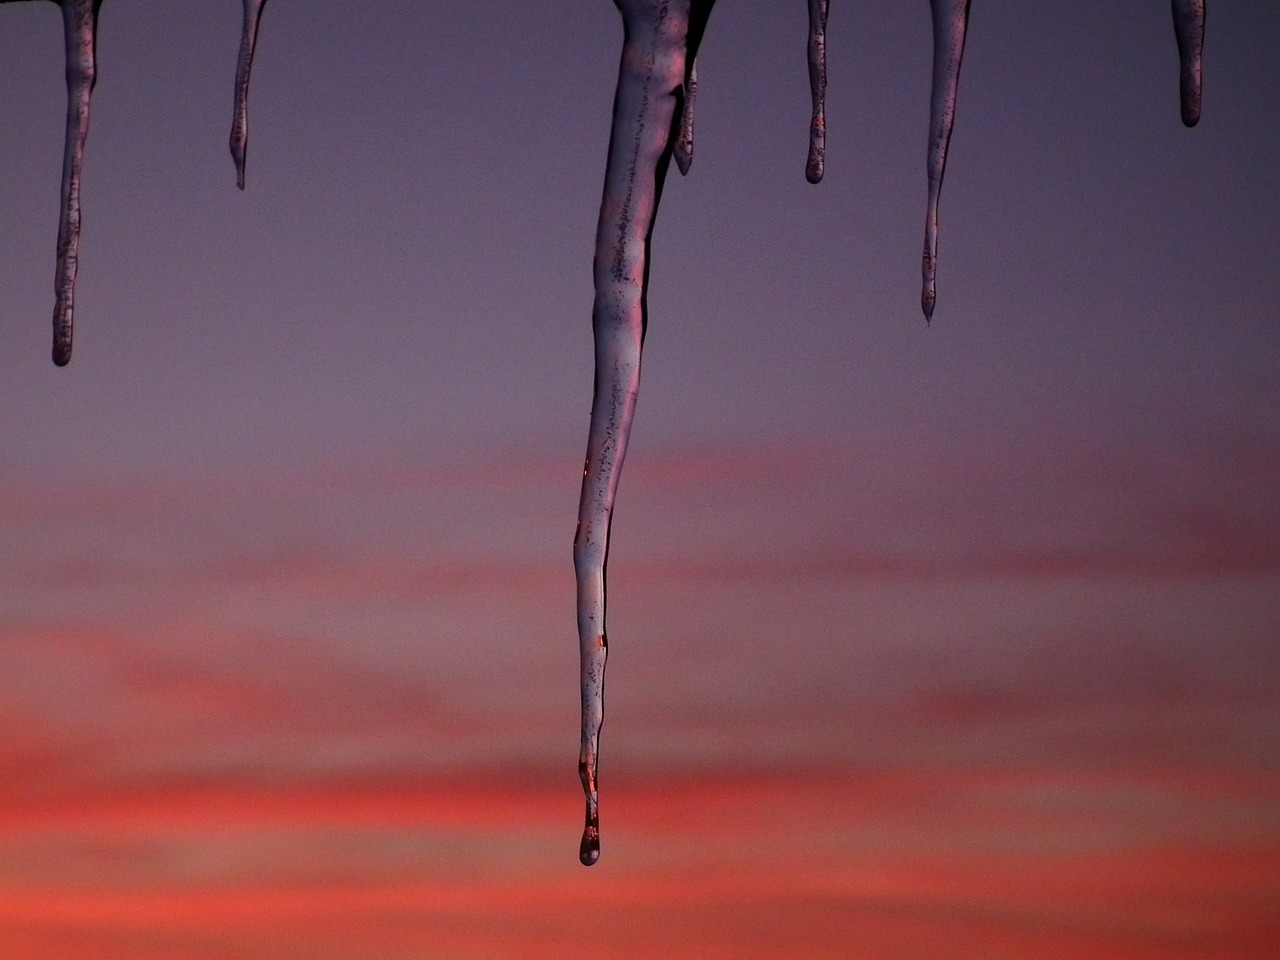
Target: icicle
660	36
80	26
950	22
684	143
1188	25
240	116
818	88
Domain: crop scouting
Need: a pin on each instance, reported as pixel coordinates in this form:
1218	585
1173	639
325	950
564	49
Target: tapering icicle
660	36
1188	25
684	143
80	26
240	116
950	23
818	88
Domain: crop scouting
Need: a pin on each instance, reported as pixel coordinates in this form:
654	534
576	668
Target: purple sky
300	509
408	273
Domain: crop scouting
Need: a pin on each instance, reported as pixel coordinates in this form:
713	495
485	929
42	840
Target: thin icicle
818	88
684	143
80	26
660	36
240	116
950	22
1188	25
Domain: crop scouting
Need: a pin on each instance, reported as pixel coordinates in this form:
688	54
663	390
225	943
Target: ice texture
1188	26
660	38
950	24
816	163
244	65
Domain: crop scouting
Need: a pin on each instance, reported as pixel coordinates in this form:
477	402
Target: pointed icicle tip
816	164
950	24
683	148
1188	26
239	140
80	28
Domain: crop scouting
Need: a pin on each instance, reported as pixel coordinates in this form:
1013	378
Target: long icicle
660	36
80	27
818	89
950	23
1188	25
240	115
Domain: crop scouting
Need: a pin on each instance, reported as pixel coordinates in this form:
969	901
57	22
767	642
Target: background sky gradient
927	641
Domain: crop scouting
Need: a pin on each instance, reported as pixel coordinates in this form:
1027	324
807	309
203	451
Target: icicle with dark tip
950	23
660	39
80	27
818	88
240	116
1188	25
683	151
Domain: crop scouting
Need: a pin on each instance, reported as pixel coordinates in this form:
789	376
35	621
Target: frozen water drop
80	27
684	142
240	115
589	848
950	23
1188	25
660	38
818	89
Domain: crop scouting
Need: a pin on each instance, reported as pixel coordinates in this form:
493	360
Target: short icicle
818	89
660	36
683	150
950	23
80	27
240	116
1188	25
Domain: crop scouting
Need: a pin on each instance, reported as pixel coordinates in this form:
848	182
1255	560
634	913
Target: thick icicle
80	26
950	22
240	116
818	88
1188	25
684	143
660	36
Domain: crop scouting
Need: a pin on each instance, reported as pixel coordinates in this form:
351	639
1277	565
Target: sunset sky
927	641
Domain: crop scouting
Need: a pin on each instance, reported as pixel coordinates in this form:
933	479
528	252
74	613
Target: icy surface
244	65
1188	25
818	89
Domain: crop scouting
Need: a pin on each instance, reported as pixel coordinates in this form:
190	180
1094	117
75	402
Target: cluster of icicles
653	113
